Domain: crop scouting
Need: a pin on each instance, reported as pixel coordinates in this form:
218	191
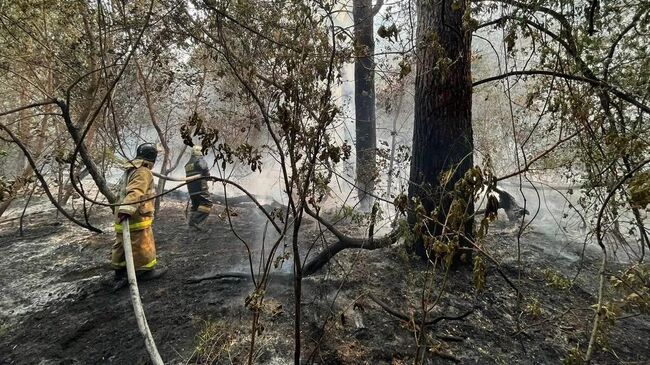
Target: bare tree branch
598	83
599	238
530	163
25	107
377	7
390	310
344	242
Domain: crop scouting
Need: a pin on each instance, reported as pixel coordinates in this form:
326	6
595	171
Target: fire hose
143	327
138	310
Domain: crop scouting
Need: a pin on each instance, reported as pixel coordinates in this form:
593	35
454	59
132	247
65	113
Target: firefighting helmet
197	150
147	152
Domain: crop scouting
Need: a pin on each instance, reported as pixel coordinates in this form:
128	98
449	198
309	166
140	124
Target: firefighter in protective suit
198	189
136	186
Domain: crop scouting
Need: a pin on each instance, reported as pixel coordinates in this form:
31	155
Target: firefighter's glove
122	216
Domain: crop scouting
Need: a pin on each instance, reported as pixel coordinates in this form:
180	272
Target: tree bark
364	99
442	133
94	171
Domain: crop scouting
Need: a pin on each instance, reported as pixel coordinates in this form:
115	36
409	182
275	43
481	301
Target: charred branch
344	242
25	107
216	276
395	313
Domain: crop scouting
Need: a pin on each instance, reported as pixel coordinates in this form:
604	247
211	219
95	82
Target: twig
450	338
24	107
597	83
599	238
25	209
41	179
406	318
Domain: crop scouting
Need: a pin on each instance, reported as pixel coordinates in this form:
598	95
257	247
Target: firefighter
199	194
136	186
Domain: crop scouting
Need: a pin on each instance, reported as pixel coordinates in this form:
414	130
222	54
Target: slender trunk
22	215
297	289
364	99
393	133
96	174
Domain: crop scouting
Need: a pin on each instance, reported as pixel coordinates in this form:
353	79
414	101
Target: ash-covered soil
57	306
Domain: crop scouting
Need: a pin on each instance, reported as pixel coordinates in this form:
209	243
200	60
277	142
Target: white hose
172	178
135	297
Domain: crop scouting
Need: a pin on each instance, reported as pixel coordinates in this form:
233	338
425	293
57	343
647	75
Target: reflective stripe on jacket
137	185
137	226
197	166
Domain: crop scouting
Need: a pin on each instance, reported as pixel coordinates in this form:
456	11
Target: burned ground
57	306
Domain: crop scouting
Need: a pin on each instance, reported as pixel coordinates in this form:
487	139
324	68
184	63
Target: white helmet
197	150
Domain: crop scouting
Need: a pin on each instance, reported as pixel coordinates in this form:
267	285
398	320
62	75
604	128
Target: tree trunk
96	174
364	98
442	133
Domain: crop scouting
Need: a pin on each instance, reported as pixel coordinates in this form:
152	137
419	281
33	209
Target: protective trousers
200	209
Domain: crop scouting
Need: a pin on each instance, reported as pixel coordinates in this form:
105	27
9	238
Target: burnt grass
57	305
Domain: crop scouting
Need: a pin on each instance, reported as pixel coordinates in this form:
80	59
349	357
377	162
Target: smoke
557	215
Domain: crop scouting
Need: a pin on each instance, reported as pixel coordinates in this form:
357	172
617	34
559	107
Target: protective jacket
197	166
198	190
136	185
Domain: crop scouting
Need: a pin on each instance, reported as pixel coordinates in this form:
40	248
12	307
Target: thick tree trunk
442	134
364	98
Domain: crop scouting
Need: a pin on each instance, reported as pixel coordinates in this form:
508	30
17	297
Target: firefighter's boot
150	274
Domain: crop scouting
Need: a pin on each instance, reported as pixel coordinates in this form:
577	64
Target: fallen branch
7	220
135	297
216	276
344	242
450	338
